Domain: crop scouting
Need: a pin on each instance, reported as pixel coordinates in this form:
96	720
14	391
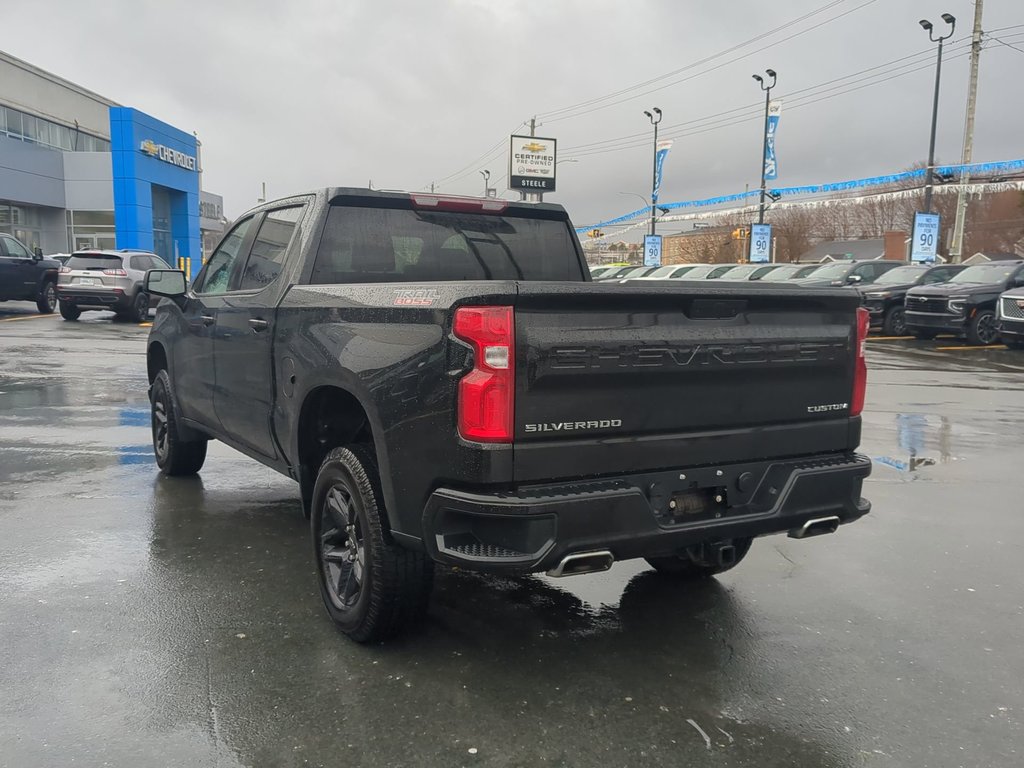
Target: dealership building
80	171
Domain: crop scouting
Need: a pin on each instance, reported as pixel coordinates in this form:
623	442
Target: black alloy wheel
983	329
47	301
895	322
342	548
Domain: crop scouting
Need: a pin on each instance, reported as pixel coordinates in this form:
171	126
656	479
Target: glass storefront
90	229
22	221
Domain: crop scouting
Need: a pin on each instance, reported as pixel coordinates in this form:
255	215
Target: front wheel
703	560
982	329
371	587
69	311
174	455
895	323
46	301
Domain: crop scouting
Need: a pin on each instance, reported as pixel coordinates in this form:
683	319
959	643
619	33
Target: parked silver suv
107	280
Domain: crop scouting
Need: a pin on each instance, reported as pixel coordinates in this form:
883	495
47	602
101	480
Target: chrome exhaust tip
583	562
816	527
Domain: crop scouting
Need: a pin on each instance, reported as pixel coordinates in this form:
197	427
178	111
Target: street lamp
767	88
951	20
655	119
487	179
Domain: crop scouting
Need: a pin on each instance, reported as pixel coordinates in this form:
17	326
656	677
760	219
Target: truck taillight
115	272
487	393
860	371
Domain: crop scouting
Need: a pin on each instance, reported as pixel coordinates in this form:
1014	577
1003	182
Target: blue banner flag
659	161
771	166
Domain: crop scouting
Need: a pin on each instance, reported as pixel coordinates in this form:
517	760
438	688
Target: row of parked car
982	303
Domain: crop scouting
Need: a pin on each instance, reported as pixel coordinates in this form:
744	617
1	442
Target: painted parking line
968	348
25	317
890	338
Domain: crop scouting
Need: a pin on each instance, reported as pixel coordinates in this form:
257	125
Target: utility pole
957	246
533	197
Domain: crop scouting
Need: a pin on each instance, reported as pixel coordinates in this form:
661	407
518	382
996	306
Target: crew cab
448	387
27	276
965	305
884	299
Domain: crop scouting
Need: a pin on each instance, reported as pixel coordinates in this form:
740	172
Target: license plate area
693	504
86	281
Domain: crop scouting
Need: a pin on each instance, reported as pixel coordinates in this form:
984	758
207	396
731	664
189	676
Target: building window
91	229
37	130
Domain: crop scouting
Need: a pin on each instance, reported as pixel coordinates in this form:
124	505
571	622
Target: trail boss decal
420	298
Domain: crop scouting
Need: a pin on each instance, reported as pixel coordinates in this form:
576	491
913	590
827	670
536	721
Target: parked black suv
884	299
966	305
27	276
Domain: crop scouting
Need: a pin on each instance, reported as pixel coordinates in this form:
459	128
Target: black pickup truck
27	276
448	386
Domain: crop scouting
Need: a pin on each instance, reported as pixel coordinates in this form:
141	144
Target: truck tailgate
679	374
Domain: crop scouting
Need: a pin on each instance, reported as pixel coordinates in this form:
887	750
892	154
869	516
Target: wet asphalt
177	622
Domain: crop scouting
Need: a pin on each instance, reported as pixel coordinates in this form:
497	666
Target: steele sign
531	164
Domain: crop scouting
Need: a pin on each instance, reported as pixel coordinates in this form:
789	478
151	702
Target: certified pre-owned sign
531	164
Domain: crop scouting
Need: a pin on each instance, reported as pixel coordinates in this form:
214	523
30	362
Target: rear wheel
140	308
982	330
895	323
703	560
371	587
174	455
69	311
46	301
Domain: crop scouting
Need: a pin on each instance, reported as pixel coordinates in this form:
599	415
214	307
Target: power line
810	99
705	60
715	68
1003	42
756	107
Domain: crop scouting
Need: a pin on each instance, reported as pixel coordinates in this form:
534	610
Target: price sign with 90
925	240
760	243
652	250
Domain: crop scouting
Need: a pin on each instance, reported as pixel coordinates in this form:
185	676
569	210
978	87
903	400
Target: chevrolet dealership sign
168	155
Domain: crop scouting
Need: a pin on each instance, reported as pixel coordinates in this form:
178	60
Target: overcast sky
311	93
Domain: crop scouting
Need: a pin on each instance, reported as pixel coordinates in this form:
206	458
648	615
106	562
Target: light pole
767	88
655	119
929	171
487	180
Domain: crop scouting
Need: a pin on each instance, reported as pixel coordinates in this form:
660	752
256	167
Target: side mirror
854	279
165	282
37	253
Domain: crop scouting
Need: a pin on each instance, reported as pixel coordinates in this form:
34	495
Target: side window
867	272
217	273
16	249
266	259
3	246
158	263
140	263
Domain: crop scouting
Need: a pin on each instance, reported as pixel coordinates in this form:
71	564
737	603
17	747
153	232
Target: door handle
258	325
208	319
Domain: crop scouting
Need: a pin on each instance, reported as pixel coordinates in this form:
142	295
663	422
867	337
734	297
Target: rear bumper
927	321
630	516
105	297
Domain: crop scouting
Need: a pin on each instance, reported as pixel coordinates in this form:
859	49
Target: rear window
93	261
380	245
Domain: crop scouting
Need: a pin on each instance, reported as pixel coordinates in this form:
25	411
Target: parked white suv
106	280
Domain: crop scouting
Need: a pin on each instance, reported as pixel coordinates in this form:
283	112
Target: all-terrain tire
174	455
372	588
46	301
69	311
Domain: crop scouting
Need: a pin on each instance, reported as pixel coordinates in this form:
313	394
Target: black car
885	297
849	273
27	276
966	305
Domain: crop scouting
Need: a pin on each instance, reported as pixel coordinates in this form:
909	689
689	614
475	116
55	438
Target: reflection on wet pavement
177	621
